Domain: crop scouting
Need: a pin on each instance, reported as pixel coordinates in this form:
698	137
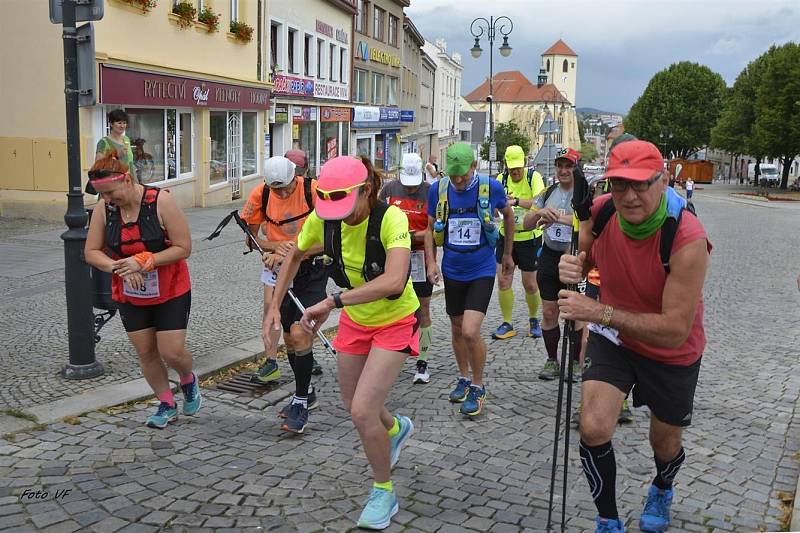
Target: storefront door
234	154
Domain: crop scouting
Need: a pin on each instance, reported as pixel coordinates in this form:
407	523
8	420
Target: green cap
459	159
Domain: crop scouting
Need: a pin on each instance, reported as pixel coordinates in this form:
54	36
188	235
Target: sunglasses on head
337	194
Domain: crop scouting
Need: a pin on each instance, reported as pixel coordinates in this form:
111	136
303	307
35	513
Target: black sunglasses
621	185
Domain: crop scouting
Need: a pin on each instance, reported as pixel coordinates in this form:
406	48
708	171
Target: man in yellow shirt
522	185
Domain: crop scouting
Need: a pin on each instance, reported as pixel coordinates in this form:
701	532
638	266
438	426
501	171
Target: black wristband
337	300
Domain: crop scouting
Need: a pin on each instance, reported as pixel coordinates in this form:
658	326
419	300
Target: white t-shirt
690	185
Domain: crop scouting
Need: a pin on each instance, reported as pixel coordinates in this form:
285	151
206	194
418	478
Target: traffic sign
85	10
493	151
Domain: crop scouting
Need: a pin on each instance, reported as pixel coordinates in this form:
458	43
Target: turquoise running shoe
379	510
399	440
165	414
192	400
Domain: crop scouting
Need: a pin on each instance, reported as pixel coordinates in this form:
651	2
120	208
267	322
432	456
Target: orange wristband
146	260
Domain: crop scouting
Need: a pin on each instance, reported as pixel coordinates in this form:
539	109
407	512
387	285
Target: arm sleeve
311	233
394	229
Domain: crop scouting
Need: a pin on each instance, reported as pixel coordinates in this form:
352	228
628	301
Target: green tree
505	135
678	108
582	131
777	123
588	151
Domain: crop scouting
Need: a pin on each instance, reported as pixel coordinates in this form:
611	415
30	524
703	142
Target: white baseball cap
278	172
411	170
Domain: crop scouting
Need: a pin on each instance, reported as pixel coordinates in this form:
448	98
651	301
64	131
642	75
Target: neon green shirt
524	191
394	234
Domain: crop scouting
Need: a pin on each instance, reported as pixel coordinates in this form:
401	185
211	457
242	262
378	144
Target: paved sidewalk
232	467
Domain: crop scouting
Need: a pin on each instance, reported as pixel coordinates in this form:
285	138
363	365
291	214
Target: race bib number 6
559	233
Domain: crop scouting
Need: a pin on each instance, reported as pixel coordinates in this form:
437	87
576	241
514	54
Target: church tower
560	64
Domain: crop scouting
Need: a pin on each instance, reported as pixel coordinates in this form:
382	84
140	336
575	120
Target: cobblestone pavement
232	468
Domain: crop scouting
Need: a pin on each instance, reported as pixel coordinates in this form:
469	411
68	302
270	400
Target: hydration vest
676	206
151	234
482	208
309	203
374	252
530	178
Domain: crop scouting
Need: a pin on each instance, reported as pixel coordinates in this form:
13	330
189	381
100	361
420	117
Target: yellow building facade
198	102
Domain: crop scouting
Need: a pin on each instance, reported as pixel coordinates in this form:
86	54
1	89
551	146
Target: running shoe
459	394
550	370
422	375
192	400
312	402
536	329
398	441
655	517
165	414
473	405
504	331
625	414
269	371
577	370
379	510
607	525
316	369
296	419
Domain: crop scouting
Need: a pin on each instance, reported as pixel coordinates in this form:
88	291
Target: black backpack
309	202
374	253
668	229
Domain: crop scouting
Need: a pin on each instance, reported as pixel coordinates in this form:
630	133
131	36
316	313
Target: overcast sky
620	43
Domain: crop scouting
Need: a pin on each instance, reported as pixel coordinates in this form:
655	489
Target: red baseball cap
634	160
339	174
569	154
298	157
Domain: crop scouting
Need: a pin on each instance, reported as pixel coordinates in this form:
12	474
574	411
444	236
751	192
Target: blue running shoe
380	508
166	413
459	394
655	517
296	419
397	442
473	405
504	331
192	400
536	329
607	525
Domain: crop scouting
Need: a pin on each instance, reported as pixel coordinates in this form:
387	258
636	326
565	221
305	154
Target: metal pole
491	89
80	318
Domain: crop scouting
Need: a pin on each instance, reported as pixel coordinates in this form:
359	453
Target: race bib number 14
464	231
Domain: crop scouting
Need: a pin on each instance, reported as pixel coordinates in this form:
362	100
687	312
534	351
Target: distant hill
593	111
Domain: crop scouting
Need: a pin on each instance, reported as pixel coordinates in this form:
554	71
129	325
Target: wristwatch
337	300
516	202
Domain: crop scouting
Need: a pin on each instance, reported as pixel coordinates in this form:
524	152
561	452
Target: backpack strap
442	209
309	203
530	178
308	194
602	218
505	180
549	191
332	247
483	206
375	253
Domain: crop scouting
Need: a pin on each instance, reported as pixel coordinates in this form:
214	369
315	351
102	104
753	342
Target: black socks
600	468
666	472
551	337
303	364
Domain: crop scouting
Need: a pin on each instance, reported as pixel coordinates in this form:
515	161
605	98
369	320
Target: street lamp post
490	27
665	140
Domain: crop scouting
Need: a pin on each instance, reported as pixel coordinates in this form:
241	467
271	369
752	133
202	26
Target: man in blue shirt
461	221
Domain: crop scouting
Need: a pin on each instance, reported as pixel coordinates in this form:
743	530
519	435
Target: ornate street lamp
491	27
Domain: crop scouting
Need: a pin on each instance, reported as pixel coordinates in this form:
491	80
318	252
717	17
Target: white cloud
723	46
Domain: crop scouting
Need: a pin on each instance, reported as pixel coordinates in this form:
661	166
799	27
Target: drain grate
242	384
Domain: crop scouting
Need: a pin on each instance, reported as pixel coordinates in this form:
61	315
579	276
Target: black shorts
547	274
523	253
668	390
424	289
462	295
168	316
310	289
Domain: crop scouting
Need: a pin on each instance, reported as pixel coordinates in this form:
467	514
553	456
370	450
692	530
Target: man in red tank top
648	330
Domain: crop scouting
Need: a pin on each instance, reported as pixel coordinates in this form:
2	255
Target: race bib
519	216
148	290
464	231
559	232
270	278
418	273
607	332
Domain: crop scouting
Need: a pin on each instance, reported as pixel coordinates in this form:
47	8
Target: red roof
513	86
559	49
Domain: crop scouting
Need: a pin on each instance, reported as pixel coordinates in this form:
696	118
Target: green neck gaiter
647	228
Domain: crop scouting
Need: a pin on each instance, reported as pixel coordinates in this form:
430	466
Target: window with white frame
393	24
292	36
343	72
308	55
276	46
377	88
360	78
362	15
234	10
333	59
392	93
377	24
321	70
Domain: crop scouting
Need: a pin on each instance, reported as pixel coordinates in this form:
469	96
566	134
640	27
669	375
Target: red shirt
634	278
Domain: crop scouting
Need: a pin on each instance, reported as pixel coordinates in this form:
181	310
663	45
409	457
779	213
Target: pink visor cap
339	174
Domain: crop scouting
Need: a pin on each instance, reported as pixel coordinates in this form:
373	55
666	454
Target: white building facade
447	94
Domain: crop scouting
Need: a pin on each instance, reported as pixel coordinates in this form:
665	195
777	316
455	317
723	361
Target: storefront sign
375	117
334	114
281	114
332	91
131	87
364	52
406	115
366	114
291	86
324	28
390	114
342	36
304	114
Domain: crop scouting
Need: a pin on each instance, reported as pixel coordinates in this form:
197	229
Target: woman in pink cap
370	248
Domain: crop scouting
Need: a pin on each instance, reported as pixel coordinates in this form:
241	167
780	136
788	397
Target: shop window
392	156
332	70
308	54
364	147
377	26
380	152
328	141
362	16
218	165
377	88
234	148
393	30
185	155
304	137
345	138
360	85
392	96
320	59
249	146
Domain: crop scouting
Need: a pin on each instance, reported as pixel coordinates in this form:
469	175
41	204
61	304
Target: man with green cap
460	218
521	186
